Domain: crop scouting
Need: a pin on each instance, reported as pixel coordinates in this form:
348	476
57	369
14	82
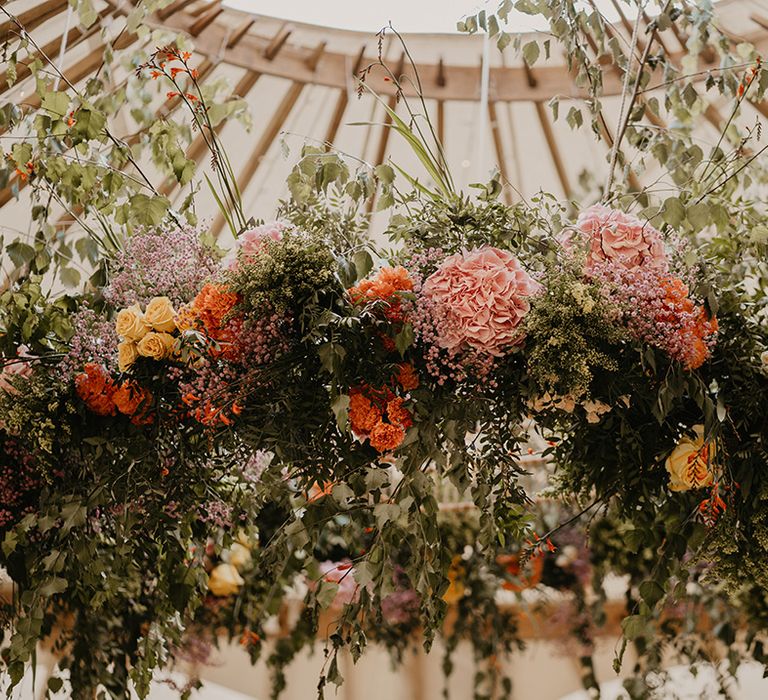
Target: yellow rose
160	314
130	323
690	463
126	354
239	555
156	345
225	580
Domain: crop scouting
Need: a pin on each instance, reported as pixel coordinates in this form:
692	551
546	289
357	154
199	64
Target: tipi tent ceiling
299	81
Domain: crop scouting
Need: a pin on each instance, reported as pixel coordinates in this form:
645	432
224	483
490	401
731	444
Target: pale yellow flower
239	555
225	580
130	324
160	315
126	354
156	345
690	463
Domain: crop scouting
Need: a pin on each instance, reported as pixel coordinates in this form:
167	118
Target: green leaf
20	253
148	211
326	593
340	408
531	52
673	211
53	586
634	626
404	339
651	592
55	103
363	263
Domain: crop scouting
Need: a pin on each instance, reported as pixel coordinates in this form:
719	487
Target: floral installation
266	444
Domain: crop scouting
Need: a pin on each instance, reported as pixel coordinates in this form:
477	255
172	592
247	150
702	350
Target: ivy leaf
363	263
20	253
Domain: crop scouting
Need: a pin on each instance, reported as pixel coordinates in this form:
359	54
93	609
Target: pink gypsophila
621	238
480	297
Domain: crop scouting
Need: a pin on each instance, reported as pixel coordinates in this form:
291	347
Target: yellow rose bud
225	580
690	463
239	556
126	354
160	315
158	346
130	323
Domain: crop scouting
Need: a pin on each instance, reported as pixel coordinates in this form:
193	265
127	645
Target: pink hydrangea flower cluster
164	261
251	242
620	238
481	296
469	311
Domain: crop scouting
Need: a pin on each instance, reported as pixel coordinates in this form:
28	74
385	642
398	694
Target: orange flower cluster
406	376
749	76
98	391
379	416
696	332
210	413
208	311
386	286
526	576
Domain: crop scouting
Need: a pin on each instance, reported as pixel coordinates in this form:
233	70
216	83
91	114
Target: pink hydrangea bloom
15	368
342	573
479	298
251	242
618	237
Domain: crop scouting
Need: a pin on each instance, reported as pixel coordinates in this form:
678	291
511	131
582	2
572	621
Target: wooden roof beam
278	41
165	12
510	83
73	38
239	32
33	17
205	19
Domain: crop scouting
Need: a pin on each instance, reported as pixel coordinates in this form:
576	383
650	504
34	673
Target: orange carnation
363	414
130	397
211	305
385	437
398	414
385	286
406	376
96	389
